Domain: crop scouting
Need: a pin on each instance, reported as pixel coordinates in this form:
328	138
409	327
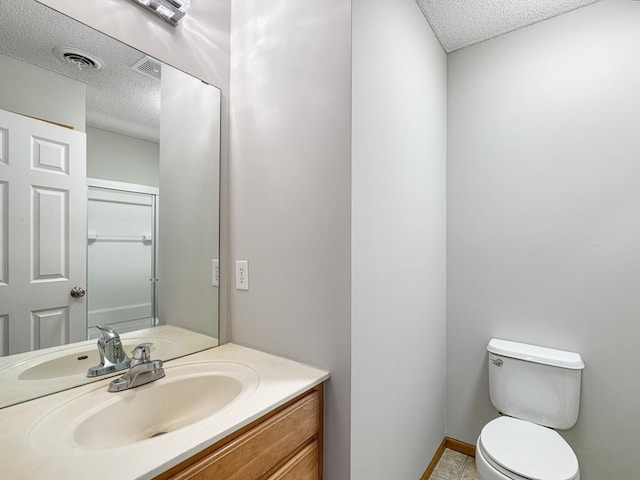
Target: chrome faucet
112	356
143	370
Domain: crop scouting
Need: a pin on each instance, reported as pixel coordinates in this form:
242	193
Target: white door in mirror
242	275
43	211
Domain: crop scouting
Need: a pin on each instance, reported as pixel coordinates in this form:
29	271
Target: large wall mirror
109	202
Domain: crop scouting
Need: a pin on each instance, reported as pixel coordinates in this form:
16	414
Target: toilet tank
537	384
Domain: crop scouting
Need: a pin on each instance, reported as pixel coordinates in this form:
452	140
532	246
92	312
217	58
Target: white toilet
536	389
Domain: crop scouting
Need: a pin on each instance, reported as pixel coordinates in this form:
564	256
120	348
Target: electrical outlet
242	275
215	272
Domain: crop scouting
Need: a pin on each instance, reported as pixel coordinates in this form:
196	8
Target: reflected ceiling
29	32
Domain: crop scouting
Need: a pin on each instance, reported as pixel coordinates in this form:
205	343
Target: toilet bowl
537	390
513	449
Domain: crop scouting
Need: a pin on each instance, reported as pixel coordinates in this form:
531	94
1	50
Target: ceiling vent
78	58
148	66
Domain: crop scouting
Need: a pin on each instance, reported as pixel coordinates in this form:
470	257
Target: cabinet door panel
304	466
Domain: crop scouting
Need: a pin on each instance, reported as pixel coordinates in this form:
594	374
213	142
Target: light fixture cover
170	11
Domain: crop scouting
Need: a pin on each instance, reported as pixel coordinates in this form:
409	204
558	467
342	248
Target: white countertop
280	380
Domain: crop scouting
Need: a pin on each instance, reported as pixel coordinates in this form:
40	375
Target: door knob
77	292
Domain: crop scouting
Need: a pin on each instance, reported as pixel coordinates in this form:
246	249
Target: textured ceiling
118	99
460	23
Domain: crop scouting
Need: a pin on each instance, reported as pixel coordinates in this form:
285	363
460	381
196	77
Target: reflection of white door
42	234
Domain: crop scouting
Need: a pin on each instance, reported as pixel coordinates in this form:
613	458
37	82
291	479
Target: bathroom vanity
229	412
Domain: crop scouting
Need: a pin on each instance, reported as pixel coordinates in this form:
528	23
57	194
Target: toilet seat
524	450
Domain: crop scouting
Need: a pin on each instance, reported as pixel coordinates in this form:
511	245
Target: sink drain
157	434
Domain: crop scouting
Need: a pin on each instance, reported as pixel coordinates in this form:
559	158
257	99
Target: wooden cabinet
285	444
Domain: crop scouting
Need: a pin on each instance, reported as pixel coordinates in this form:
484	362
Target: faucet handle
108	333
112	356
110	346
142	353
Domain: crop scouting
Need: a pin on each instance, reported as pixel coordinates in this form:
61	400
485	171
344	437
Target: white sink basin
188	394
156	411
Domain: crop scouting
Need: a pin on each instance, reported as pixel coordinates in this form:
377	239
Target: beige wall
544	209
398	255
21	91
290	191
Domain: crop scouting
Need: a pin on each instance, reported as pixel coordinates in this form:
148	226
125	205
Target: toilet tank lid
536	354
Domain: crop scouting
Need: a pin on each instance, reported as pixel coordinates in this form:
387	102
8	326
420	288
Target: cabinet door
304	466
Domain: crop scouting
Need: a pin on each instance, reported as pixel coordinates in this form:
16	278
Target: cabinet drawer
252	455
304	466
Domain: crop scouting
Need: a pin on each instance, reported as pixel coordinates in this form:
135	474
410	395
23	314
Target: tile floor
455	466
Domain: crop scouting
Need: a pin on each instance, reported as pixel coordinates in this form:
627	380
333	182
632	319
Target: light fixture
170	11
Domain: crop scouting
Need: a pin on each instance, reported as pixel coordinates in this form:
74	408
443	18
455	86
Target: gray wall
188	231
290	191
63	101
111	156
543	226
398	241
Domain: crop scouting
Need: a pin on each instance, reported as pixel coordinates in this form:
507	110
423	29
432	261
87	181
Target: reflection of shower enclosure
121	257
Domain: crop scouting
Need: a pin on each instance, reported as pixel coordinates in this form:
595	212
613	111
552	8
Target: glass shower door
121	260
